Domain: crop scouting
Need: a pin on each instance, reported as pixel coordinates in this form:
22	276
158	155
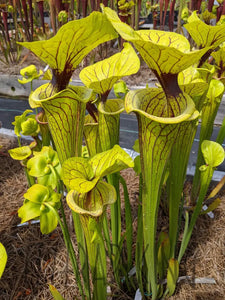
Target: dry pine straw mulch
34	260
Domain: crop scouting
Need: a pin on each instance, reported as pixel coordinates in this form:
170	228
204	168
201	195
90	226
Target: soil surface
36	260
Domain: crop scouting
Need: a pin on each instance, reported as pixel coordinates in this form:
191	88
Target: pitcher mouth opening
143	102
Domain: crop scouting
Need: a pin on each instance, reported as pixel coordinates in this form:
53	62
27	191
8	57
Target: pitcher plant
167	116
101	77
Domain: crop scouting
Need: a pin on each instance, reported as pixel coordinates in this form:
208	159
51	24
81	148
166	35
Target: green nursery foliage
29	74
213	153
35	206
45	166
26	124
20	153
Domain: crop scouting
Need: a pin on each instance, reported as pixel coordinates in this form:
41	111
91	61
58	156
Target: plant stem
82	253
181	6
128	221
115	224
139	242
107	236
96	256
70	249
206	177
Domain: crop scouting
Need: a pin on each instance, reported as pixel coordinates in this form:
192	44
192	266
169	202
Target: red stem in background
219	12
171	15
41	10
98	5
105	3
210	5
195	5
161	2
139	10
155	17
92	5
31	18
21	17
66	6
199	5
223	11
84	8
4	16
24	4
58	5
165	10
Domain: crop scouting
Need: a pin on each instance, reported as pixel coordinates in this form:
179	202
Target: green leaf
45	166
110	161
30	127
191	82
163	256
19	120
172	275
55	293
104	74
137	165
3	259
136	146
122	28
94	228
48	220
73	42
164	52
205	35
29	211
213	153
34	206
49	180
20	153
216	89
78	174
37	166
93	202
120	89
37	193
29	74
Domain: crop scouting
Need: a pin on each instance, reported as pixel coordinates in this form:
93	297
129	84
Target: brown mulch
35	260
